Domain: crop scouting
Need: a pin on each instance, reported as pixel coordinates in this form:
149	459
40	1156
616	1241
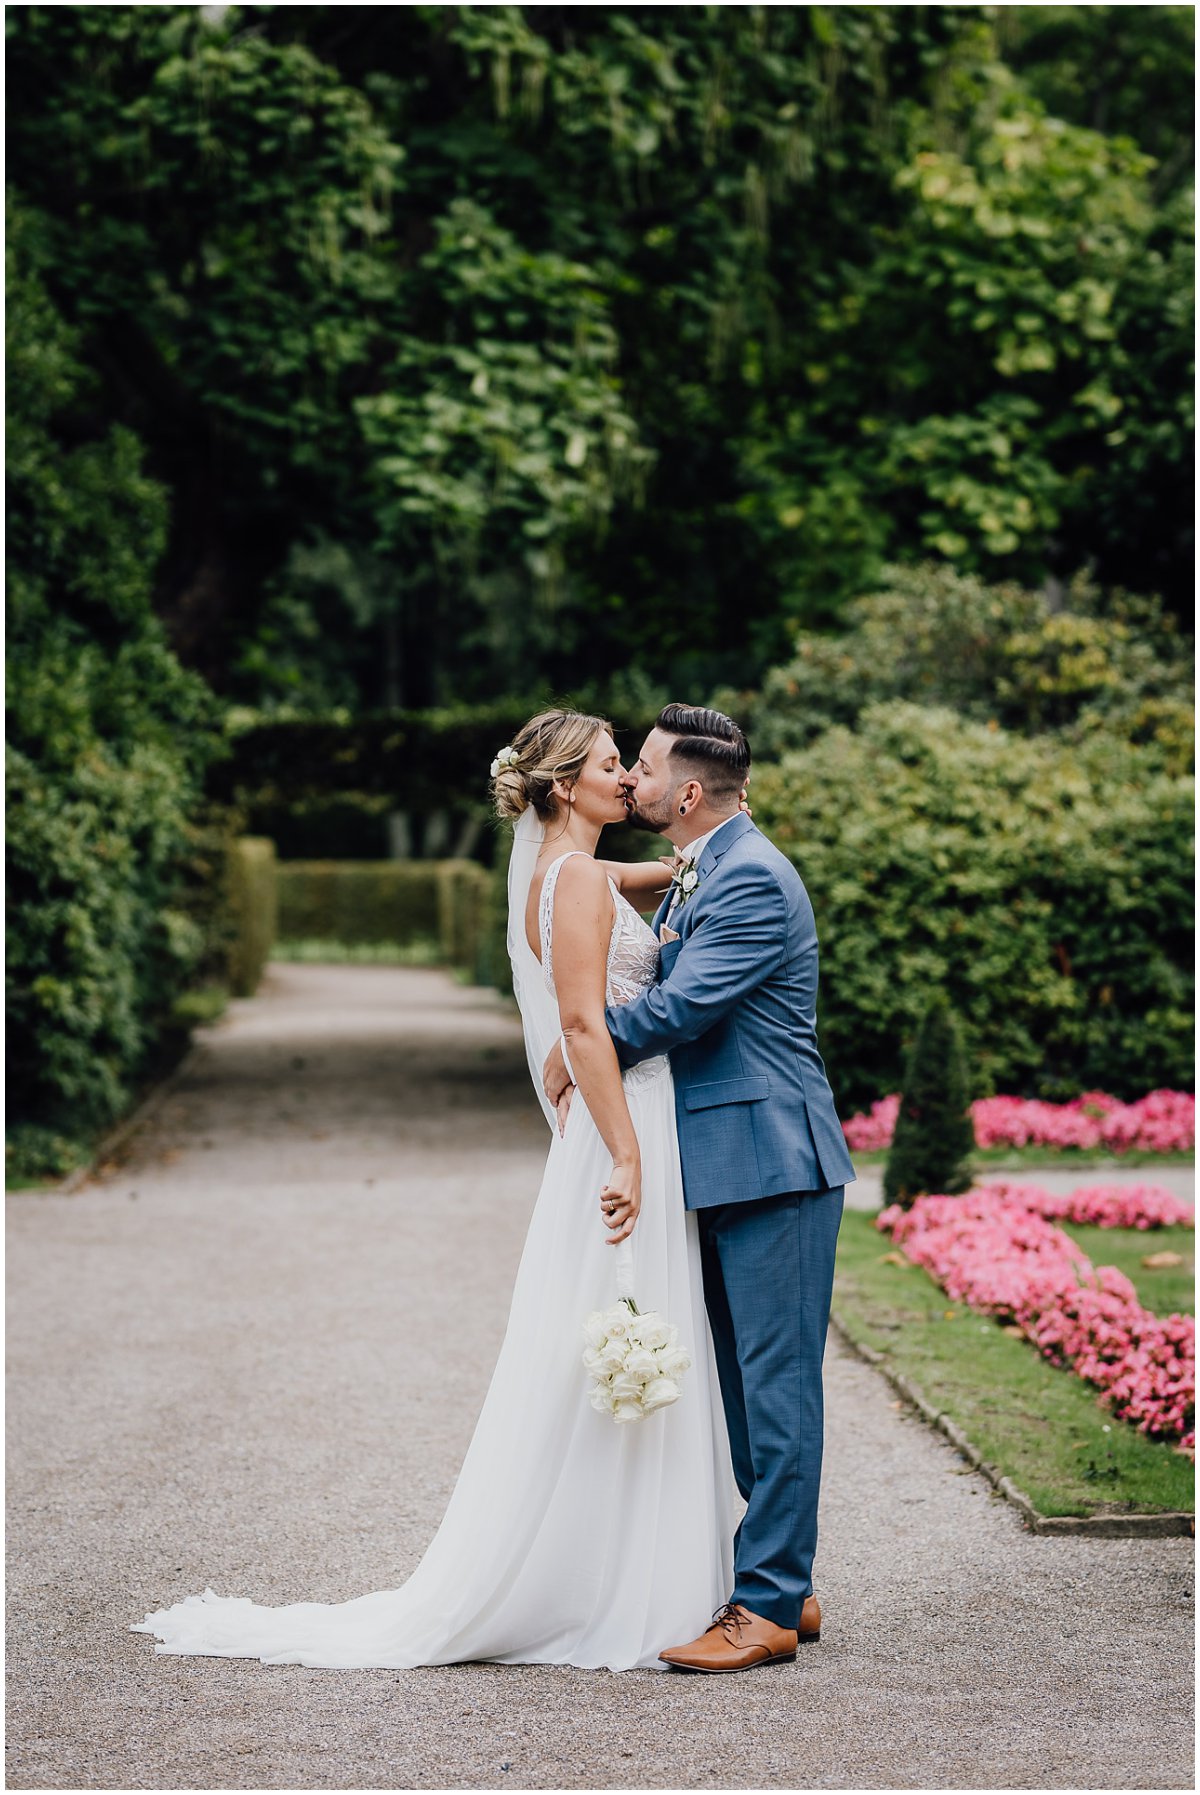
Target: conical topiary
934	1133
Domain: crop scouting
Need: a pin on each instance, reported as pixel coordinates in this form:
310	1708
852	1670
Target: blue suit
765	1165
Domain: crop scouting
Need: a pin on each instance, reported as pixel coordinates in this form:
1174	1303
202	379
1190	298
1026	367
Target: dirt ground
251	1357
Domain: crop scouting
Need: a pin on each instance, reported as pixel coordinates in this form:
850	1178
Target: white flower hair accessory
507	757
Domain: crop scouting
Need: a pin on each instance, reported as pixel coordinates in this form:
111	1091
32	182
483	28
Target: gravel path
252	1357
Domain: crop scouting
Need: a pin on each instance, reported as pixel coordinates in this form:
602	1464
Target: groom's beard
654	817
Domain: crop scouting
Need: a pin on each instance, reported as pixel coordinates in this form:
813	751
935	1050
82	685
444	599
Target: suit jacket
735	1007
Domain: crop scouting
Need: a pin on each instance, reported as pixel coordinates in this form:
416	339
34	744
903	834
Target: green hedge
447	903
108	739
358	900
1045	887
323	787
253	907
1102	663
464	896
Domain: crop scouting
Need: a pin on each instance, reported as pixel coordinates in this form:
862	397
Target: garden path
251	1356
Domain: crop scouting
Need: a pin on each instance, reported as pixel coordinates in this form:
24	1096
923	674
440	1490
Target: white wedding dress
568	1539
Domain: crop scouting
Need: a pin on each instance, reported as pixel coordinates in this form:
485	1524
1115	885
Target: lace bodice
632	950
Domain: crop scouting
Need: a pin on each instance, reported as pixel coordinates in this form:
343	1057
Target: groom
763	1154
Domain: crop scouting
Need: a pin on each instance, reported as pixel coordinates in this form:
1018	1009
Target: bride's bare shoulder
581	873
582	892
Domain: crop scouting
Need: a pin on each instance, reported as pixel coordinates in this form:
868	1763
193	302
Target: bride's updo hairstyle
554	745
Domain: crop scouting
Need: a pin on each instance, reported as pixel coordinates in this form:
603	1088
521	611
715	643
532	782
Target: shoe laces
729	1616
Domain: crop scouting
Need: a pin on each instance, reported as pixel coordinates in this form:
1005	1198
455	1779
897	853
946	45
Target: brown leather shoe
737	1640
810	1621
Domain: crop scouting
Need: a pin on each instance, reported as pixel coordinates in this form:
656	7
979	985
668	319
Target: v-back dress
568	1539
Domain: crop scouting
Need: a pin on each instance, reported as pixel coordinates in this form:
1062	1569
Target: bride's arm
640	880
582	929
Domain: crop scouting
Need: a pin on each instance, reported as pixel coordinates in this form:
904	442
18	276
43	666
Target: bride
567	1539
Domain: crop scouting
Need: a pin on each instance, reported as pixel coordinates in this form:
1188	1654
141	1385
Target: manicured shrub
1044	886
446	904
358	900
463	890
934	1136
253	905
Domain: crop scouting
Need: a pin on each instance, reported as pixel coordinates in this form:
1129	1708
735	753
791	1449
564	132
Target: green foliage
1124	71
108	739
997	653
485	348
358	901
443	906
253	907
1044	885
934	1136
464	896
979	387
312	781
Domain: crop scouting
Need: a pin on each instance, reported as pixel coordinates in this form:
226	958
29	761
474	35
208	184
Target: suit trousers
768	1284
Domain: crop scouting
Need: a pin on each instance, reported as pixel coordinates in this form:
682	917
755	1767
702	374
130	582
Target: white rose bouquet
634	1361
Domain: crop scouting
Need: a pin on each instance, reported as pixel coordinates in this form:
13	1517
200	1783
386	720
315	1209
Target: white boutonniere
684	879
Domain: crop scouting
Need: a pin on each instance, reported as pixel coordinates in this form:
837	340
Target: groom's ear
689	795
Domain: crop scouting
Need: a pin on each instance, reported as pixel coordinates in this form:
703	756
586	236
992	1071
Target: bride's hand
555	1077
743	805
621	1201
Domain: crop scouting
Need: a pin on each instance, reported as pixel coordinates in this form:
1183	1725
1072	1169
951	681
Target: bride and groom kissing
692	1128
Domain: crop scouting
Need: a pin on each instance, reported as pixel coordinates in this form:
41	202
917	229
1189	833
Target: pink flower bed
988	1250
872	1132
1102	1205
1163	1122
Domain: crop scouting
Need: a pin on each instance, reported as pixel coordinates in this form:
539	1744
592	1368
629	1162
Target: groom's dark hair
708	747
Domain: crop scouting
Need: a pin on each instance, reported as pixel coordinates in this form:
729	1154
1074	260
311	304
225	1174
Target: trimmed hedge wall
253	909
358	900
362	902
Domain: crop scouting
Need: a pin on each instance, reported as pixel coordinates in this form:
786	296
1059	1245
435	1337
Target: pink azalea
1002	1257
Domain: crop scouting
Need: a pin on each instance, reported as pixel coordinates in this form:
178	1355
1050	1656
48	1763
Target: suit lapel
722	841
720	845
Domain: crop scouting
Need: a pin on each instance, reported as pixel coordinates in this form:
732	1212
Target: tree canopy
477	349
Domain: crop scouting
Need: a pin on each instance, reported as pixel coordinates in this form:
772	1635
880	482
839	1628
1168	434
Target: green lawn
1041	1425
421	952
990	1160
1164	1289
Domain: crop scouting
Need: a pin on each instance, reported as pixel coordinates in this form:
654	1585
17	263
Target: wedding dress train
568	1539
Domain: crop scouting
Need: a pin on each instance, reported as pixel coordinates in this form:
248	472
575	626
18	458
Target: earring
683	810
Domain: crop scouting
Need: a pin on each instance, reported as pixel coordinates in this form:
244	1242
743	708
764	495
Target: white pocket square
665	934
